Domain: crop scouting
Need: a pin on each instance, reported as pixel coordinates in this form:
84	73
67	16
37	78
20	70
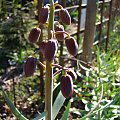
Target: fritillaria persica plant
49	50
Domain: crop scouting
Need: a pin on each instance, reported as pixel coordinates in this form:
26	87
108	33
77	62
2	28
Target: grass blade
65	115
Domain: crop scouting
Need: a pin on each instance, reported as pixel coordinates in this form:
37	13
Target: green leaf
56	86
65	115
15	111
41	116
102	108
57	105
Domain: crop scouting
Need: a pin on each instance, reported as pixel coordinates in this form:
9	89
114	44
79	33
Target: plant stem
48	90
49	70
51	18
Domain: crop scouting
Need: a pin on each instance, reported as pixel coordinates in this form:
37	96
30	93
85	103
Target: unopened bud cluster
49	48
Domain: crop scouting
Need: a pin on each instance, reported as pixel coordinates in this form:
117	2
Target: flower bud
34	35
50	50
66	86
59	36
72	73
30	66
42	46
65	16
43	15
72	46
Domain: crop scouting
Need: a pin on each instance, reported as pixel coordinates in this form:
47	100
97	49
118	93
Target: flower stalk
49	70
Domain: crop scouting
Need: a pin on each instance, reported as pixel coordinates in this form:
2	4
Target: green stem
51	18
49	70
48	90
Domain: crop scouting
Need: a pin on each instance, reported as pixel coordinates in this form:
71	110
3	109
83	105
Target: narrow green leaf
41	116
102	108
56	86
15	111
57	105
65	115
